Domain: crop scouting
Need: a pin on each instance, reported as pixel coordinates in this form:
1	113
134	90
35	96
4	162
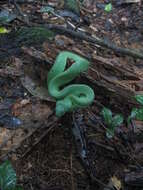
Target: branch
98	41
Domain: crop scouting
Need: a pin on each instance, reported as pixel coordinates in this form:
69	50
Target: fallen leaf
36	90
116	182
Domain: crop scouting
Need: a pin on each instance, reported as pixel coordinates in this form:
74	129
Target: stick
95	40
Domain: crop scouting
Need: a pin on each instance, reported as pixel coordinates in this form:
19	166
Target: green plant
3	30
35	34
137	113
111	122
108	7
8	177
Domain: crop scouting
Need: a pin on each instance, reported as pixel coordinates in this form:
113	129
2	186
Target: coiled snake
73	96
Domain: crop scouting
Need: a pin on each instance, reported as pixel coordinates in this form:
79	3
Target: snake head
63	106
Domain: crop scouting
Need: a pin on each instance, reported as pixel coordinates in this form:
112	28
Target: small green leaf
107	115
117	120
7	176
108	7
110	133
139	99
3	30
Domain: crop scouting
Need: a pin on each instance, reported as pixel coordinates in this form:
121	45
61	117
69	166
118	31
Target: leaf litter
42	148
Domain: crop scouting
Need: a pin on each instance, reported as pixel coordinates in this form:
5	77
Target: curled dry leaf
36	90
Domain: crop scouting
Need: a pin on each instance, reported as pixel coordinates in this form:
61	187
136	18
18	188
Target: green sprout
8	177
137	113
3	30
108	7
111	122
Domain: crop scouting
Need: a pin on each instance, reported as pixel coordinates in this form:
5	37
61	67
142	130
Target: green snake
74	96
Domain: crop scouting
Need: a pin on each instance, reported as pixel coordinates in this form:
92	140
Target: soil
71	152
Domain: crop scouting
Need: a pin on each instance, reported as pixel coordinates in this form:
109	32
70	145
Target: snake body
72	96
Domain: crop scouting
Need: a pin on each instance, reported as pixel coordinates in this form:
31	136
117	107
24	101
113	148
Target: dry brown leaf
116	182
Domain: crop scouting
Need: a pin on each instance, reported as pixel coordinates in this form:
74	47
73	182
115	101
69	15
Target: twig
77	133
97	41
71	167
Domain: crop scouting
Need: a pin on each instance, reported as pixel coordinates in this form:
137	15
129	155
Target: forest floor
71	152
